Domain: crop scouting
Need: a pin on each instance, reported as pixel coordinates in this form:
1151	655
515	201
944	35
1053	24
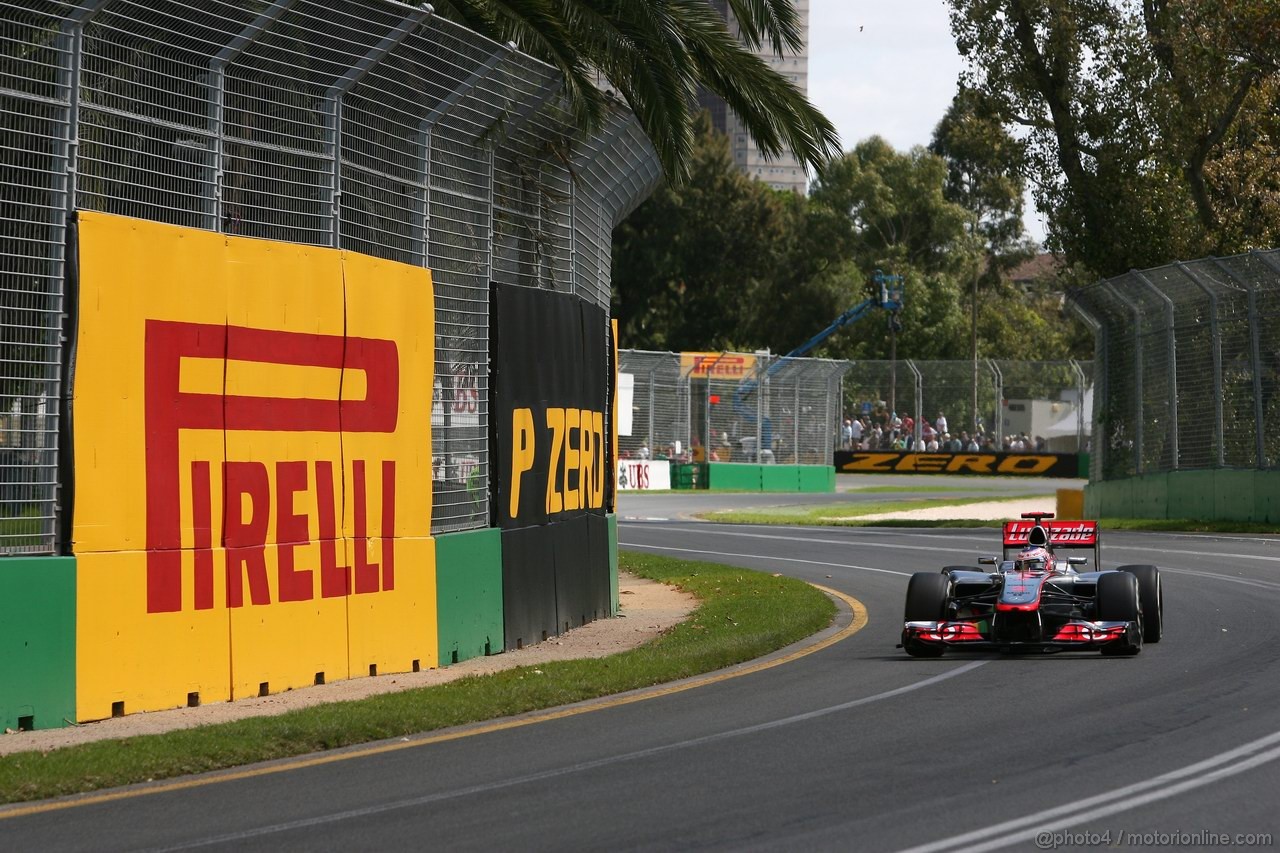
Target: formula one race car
1034	598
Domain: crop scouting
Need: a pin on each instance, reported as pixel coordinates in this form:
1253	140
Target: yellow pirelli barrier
252	440
1070	503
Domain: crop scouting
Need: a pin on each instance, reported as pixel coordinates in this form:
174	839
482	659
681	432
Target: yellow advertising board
396	633
128	660
252	426
730	366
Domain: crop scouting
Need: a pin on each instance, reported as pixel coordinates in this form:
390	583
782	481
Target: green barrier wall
816	478
1266	497
469	594
734	475
1233	496
1222	495
779	478
37	641
771	478
613	564
1192	497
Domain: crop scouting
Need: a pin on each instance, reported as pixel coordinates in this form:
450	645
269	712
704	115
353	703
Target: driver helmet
1033	559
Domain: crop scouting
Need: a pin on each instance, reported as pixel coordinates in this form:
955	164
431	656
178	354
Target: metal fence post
1138	402
918	400
72	44
1172	356
1215	335
1080	383
653	379
217	82
1100	377
427	127
998	379
334	97
1255	359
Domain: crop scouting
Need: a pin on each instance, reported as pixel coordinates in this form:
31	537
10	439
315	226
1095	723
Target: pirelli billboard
1004	464
252	451
552	459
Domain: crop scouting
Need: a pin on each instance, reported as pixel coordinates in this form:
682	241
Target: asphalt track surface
853	746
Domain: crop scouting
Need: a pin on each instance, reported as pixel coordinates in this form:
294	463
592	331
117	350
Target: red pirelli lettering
169	410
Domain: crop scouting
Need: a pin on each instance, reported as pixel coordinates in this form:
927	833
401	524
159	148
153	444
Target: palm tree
656	53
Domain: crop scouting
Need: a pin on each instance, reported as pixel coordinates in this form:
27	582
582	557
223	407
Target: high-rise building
784	172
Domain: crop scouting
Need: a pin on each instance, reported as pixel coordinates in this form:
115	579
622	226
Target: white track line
353	814
1028	827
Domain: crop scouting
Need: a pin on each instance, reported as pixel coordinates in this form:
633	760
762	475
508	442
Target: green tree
688	263
897	219
656	53
1142	121
984	176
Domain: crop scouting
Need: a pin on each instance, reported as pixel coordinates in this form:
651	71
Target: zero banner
551	458
908	462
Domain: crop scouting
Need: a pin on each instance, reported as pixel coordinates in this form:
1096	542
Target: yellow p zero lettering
521	453
572	429
587	458
929	462
1026	464
555	423
971	462
871	462
597	431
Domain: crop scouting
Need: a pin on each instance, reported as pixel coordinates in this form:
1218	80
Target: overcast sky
887	69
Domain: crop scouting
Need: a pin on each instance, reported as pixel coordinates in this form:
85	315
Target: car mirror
1077	561
986	561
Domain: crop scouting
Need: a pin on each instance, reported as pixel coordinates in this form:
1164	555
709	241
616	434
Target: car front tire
1151	597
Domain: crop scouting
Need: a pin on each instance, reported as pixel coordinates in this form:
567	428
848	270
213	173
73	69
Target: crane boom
889	298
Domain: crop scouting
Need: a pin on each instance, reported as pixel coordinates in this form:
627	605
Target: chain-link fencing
741	407
358	124
1188	367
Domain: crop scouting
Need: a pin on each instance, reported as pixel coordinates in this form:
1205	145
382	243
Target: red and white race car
1035	599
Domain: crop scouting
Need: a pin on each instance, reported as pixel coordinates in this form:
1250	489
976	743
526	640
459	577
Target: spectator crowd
885	430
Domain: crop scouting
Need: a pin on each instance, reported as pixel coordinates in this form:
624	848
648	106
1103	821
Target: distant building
785	172
1037	270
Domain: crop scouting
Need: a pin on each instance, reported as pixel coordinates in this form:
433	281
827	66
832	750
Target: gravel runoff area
985	511
647	609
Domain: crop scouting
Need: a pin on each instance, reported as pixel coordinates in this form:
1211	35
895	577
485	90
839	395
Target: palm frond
773	21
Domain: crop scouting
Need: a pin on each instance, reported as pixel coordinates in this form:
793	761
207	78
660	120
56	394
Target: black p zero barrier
551	459
909	462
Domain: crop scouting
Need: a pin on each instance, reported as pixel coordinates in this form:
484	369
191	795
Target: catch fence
356	124
1189	376
756	407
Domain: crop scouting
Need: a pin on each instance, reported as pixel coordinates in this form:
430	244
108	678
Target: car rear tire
1151	596
1118	601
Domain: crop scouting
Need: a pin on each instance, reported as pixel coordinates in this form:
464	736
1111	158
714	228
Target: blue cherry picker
887	298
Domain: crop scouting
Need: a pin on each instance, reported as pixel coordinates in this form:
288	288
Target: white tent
1069	423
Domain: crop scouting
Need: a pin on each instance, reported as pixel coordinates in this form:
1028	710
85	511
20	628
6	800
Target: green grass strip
743	614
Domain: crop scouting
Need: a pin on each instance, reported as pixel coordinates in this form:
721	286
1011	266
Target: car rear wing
1059	535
